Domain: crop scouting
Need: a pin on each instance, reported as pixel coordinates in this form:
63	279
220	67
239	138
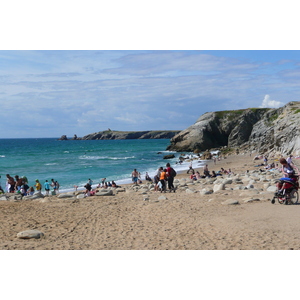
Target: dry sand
183	221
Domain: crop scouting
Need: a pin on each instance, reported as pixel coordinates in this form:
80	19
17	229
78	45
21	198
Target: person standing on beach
53	184
163	178
170	177
18	183
156	178
103	182
38	186
1	189
289	160
47	187
10	184
190	169
135	176
57	186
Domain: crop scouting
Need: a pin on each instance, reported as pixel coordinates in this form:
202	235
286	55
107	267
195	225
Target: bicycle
288	194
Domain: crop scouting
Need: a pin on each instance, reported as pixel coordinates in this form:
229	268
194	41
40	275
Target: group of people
206	173
20	185
89	191
163	179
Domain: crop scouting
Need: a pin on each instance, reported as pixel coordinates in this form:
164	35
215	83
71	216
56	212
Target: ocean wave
50	164
104	157
2	155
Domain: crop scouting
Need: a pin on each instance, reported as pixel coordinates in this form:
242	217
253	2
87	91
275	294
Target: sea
74	162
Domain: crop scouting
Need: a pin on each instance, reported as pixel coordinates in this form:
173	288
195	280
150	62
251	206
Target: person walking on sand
135	177
170	177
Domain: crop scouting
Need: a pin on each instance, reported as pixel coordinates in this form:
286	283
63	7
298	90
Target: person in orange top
162	178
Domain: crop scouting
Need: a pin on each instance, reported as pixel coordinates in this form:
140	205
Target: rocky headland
126	135
263	130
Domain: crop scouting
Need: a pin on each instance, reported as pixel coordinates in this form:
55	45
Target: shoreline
227	213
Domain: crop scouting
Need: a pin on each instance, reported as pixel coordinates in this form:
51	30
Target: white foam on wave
2	155
85	157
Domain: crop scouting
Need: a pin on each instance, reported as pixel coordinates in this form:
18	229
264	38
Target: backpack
173	173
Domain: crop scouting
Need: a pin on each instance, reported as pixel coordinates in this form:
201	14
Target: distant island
125	135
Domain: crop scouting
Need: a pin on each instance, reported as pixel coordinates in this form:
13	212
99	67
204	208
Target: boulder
30	234
169	156
65	196
219	187
231	202
105	193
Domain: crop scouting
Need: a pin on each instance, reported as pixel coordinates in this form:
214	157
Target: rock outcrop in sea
253	129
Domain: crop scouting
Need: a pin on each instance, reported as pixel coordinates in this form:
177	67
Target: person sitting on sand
113	184
147	177
23	191
213	174
197	175
30	191
206	172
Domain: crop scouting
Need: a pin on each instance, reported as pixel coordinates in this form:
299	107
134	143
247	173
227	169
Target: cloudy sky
51	93
49	88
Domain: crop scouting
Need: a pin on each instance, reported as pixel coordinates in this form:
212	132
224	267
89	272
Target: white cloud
268	103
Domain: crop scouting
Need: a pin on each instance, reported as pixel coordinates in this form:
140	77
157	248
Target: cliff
259	129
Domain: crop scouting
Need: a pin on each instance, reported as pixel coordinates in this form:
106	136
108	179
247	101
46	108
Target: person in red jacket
170	178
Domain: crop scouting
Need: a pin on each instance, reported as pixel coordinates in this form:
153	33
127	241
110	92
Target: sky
68	68
50	93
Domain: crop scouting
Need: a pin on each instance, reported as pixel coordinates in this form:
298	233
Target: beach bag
173	172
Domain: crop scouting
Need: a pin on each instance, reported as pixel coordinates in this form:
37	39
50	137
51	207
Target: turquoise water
74	162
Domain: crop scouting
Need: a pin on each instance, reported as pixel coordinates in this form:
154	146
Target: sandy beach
183	221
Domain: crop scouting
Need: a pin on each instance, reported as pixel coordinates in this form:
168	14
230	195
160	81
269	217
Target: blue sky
168	77
51	93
